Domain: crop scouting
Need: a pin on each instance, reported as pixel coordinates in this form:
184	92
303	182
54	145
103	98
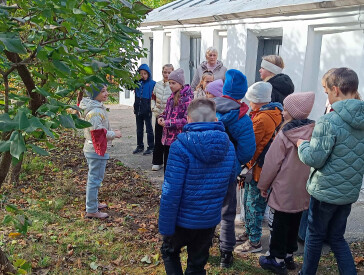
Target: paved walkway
122	118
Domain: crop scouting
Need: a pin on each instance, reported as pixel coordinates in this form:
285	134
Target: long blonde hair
204	75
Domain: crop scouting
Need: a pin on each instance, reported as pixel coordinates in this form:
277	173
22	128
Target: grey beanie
260	92
178	76
95	90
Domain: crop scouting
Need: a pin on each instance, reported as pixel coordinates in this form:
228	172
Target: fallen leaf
118	261
146	259
94	266
359	260
142	230
14	234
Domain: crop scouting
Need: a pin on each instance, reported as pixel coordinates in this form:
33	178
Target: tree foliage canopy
49	49
156	3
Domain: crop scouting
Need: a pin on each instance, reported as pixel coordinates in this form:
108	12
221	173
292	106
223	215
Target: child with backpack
232	112
200	167
266	117
286	176
174	117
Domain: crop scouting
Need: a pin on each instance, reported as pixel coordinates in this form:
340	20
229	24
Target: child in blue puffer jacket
200	166
238	125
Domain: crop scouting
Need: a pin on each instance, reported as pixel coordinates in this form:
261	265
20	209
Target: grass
60	241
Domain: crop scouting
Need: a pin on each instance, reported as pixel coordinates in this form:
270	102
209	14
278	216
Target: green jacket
336	154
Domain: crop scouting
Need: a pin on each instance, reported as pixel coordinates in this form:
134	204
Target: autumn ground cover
51	194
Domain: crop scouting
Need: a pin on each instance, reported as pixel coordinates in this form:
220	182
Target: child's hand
161	121
299	142
117	133
264	194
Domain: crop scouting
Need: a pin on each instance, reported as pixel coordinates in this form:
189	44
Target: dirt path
122	117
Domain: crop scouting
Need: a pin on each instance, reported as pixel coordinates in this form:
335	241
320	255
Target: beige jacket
283	171
161	93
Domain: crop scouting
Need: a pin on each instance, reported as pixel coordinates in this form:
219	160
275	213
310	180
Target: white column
236	47
293	52
158	38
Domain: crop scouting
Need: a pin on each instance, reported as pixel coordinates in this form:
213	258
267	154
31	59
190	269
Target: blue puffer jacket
199	169
336	154
241	130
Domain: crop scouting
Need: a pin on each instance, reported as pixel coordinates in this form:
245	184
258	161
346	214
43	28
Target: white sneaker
157	167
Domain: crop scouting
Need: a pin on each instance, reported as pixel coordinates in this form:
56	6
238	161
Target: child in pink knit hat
285	177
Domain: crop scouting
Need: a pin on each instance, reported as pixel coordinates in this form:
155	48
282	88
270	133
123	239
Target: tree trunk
4	166
5	266
36	100
15	173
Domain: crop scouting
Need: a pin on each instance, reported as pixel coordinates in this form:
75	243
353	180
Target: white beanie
260	92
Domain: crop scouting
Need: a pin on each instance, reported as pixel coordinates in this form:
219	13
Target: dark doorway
195	53
267	46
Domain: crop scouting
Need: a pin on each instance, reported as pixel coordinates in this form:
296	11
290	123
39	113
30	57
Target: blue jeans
96	171
327	221
303	225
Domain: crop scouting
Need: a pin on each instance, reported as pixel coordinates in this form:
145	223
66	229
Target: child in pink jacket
285	176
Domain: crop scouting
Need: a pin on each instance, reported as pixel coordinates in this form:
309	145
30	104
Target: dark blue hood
145	67
207	141
145	87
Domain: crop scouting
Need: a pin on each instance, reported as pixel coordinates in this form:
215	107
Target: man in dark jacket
143	111
200	166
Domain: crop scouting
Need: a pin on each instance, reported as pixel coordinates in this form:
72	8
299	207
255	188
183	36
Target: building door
195	53
267	46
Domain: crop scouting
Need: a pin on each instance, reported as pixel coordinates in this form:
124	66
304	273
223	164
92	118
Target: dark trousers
283	233
327	221
140	120
158	146
198	242
166	153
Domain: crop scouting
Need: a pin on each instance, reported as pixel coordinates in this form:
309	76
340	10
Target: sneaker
248	246
242	237
148	151
226	259
102	206
270	263
157	167
97	215
290	264
138	150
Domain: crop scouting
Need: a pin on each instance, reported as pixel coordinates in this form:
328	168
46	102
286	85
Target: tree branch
53	41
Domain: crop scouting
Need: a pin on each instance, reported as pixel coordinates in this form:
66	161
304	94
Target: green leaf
62	92
13	45
86	8
66	121
42	91
38	150
146	259
12	208
17	146
80	123
78	11
126	29
5	146
7	219
140	8
35	124
96	50
60	65
6	123
22	120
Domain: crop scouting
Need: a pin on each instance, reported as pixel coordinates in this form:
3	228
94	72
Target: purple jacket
175	117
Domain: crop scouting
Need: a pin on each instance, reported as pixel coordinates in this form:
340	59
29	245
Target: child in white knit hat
286	176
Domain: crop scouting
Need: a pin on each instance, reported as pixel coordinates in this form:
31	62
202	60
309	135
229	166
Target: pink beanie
299	105
215	87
